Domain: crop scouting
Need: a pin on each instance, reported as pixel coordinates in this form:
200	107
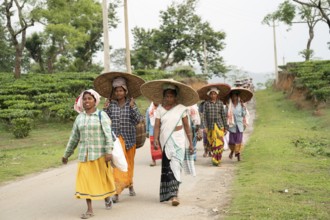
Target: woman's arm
188	132
147	122
72	143
156	133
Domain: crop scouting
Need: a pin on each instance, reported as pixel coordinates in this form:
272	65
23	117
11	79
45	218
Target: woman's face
213	96
169	97
120	92
88	102
234	97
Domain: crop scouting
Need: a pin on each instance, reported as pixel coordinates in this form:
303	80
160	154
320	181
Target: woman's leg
89	212
169	186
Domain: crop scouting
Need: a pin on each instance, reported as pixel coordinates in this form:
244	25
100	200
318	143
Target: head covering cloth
78	105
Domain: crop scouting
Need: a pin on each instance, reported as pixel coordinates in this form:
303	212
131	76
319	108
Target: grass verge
282	175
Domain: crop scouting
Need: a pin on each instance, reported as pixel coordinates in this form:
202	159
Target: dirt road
49	195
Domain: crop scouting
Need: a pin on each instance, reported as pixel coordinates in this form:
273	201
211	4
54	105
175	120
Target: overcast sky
249	44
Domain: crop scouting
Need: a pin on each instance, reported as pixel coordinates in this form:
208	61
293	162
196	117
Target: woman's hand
132	103
191	149
64	160
156	144
106	103
108	157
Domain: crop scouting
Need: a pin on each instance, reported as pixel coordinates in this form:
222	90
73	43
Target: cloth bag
141	134
118	156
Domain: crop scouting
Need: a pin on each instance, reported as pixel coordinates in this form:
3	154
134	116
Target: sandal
108	203
231	155
132	192
175	202
87	215
115	198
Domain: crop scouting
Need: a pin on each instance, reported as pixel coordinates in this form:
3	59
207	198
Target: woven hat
223	88
153	90
245	94
103	84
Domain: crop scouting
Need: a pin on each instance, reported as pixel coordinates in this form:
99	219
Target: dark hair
171	90
89	94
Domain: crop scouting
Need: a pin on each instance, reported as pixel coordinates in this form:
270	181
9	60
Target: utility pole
275	53
106	52
128	53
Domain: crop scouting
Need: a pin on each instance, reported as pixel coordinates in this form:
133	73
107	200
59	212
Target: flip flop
108	203
87	215
115	199
132	193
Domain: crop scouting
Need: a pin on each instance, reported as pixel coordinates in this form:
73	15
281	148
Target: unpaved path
49	195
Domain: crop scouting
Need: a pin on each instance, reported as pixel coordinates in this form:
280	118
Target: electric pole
106	52
275	53
128	53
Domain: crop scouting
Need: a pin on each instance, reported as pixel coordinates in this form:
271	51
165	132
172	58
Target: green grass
279	156
42	149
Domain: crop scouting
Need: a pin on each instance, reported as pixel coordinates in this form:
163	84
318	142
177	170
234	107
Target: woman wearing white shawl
172	132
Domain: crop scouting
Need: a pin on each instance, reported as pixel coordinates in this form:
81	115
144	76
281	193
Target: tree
286	13
17	30
7	57
34	46
119	59
322	5
180	38
144	54
73	31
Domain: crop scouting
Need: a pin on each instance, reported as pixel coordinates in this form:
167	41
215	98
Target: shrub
21	127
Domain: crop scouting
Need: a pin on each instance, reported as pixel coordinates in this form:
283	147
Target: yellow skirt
95	180
125	179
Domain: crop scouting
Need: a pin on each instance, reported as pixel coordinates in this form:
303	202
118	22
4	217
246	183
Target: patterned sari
215	139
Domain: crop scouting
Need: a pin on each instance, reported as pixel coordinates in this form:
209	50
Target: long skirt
215	140
235	141
95	180
125	179
155	154
169	186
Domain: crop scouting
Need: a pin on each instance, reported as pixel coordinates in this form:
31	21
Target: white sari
173	142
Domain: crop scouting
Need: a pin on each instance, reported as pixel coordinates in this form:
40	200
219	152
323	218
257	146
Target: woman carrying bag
95	179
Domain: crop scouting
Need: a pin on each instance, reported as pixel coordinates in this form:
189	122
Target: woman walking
91	131
237	119
150	123
121	89
172	133
214	118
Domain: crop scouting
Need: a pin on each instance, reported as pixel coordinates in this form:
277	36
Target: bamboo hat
223	88
153	90
103	84
244	94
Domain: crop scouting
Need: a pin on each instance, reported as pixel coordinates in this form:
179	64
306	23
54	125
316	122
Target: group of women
94	130
223	110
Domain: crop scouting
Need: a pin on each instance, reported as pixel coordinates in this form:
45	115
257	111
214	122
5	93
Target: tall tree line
71	33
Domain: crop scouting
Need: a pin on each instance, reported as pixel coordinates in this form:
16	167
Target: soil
50	194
